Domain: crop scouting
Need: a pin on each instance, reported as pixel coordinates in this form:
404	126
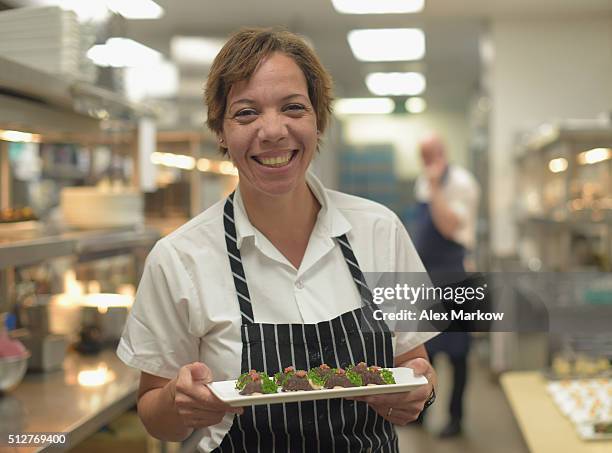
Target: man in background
447	197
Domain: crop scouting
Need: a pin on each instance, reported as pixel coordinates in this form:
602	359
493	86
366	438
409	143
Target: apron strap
355	270
235	260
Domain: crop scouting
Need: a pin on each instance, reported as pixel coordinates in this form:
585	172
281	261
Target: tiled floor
489	426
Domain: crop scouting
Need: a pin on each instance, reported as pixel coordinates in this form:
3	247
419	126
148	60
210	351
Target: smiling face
270	128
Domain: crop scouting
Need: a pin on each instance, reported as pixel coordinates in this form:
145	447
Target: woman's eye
245	113
295	107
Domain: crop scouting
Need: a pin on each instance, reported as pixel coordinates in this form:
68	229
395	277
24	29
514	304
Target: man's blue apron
441	257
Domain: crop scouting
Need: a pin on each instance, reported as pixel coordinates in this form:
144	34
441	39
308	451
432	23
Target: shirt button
299	284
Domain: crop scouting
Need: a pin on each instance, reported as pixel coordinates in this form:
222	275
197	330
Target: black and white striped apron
323	426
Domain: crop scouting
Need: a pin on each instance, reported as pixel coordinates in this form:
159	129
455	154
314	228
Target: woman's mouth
276	161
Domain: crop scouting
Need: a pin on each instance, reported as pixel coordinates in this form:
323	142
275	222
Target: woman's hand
403	408
194	402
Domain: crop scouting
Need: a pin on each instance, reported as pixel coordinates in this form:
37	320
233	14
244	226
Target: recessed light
123	52
396	83
415	105
378	6
136	9
364	106
594	156
196	50
557	165
387	44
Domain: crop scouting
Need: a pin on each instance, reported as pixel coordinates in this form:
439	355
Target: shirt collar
330	220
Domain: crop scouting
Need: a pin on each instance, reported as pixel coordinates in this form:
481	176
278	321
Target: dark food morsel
603	428
296	380
252	387
254	382
322	371
369	375
338	379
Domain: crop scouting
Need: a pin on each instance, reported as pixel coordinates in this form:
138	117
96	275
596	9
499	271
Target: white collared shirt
186	308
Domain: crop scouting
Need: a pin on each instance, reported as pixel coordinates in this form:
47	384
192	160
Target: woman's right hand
194	402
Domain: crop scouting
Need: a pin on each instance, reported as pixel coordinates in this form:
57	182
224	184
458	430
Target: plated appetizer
340	378
373	375
321	377
291	380
254	383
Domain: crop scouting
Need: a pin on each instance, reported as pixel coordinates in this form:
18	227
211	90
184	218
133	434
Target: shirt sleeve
407	260
463	197
158	336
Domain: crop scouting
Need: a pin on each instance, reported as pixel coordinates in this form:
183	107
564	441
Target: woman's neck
280	217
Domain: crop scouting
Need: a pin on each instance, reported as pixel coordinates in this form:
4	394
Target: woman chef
271	276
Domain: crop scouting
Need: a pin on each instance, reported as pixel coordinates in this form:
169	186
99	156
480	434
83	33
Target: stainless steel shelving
84	245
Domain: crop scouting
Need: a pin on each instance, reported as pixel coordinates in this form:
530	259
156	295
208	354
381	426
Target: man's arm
445	220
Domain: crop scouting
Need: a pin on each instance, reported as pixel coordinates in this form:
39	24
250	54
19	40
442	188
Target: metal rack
60	110
551	206
563	210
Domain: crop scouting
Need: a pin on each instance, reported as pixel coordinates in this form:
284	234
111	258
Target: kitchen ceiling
452	29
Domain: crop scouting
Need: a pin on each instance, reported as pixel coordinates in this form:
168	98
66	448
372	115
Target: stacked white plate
46	38
92	207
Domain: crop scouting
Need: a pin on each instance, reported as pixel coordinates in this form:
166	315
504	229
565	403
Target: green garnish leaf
354	378
315	377
242	381
387	376
268	385
278	378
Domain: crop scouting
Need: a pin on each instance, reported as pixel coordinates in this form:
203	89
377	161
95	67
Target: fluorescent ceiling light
594	156
557	165
363	106
378	6
123	52
136	9
157	81
415	105
195	49
396	83
387	44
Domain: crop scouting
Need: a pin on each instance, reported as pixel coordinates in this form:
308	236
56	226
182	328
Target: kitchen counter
78	400
544	428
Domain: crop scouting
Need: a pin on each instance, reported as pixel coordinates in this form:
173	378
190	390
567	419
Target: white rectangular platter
404	378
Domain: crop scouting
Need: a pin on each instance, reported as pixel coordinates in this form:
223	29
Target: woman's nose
272	127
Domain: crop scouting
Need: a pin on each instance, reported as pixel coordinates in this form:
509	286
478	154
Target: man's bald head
432	149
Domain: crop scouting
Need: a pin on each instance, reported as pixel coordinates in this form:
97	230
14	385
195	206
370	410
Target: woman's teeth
278	161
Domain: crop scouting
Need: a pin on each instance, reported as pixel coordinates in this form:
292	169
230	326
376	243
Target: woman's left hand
403	408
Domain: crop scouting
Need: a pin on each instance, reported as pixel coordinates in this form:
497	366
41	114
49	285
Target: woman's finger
396	415
392	399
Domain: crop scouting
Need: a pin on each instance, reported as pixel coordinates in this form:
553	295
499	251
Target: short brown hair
239	58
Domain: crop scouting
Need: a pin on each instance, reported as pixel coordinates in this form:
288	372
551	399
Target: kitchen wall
542	70
404	133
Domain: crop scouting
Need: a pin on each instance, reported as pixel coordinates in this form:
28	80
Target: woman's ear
221	140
